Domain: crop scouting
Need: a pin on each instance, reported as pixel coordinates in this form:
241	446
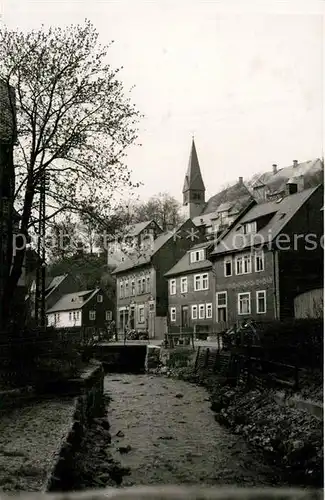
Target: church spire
193	177
194	189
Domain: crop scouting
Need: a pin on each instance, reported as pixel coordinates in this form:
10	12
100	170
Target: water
174	438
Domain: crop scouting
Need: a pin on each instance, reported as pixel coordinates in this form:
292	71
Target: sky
245	78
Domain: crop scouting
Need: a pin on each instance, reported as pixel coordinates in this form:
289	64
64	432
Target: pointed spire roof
193	177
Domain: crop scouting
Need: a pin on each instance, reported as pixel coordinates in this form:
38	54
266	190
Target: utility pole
40	306
7	142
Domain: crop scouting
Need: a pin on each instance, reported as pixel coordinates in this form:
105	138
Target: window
74	316
201	282
172	287
100	297
92	315
221	299
108	315
143	285
132	288
194	312
141	314
126	289
228	266
250	227
201	311
184	285
244	264
148	284
57	317
197	255
221	303
208	313
259	261
247	264
261	301
205	282
173	314
70	316
121	289
197	282
139	286
244	303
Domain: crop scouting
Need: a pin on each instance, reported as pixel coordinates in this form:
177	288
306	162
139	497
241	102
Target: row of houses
248	252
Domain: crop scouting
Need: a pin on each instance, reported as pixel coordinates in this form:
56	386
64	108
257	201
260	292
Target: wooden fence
251	370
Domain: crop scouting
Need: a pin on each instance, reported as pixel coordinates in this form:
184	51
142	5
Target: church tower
193	190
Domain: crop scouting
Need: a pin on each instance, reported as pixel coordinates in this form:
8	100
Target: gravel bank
29	438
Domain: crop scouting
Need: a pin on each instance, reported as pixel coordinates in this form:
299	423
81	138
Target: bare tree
74	123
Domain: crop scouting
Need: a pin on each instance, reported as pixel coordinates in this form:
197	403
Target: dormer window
250	227
197	255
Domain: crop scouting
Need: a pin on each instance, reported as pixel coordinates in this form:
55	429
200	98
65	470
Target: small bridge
121	358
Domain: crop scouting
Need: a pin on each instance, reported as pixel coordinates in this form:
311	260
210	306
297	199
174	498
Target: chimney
241	180
295	163
275	168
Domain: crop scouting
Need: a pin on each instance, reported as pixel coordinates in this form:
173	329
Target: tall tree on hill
74	123
163	208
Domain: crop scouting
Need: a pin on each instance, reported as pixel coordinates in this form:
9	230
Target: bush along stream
289	437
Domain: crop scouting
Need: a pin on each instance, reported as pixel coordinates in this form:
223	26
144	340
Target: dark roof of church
193	177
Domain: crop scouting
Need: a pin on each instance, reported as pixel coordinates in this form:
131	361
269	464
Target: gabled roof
70	301
53	283
276	182
142	258
282	211
193	177
184	265
137	228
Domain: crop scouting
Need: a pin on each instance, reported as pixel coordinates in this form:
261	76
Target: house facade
272	254
191	291
90	308
142	288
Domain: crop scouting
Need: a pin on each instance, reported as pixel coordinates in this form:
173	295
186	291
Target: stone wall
181	493
88	406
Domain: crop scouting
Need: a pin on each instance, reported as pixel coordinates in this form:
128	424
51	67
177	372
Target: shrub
296	341
40	357
179	358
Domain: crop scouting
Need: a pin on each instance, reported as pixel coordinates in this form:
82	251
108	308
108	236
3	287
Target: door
151	320
132	321
221	314
221	310
184	316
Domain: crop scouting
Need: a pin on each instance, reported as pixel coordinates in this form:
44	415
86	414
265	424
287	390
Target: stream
164	432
